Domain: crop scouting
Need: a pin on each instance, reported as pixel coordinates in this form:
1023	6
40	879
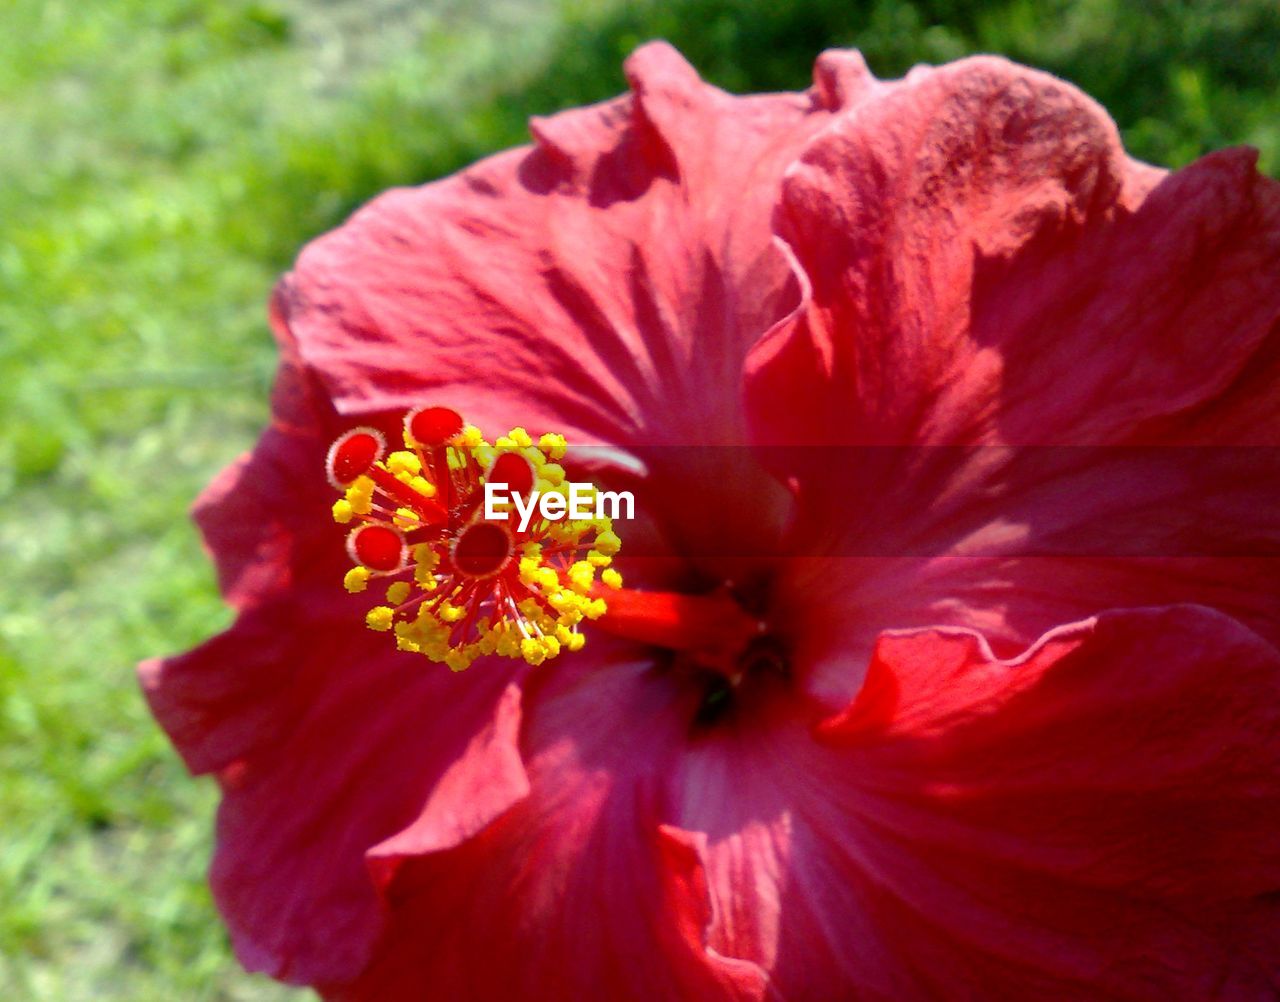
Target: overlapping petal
985	265
324	740
605	283
494	291
581	889
988	274
1093	819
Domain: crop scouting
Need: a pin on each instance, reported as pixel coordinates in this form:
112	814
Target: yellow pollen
553	445
360	496
380	618
404	462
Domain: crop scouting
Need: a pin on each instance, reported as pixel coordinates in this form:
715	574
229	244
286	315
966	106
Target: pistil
712	630
460	584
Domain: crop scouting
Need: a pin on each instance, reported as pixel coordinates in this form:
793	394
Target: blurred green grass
161	162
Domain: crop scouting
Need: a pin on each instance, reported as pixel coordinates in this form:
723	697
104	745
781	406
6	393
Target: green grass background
160	162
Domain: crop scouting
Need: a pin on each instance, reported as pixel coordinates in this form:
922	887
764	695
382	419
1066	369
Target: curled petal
580	887
1092	819
1100	811
325	741
986	265
474	790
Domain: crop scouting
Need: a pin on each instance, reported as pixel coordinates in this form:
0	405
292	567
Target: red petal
1093	820
1011	542
1100	812
369	746
473	791
324	749
325	739
836	607
270	509
985	265
605	283
578	890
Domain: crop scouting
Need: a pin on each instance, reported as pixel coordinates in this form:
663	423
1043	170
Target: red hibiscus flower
1004	721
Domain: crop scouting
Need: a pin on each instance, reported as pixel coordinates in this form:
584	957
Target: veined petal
325	740
579	889
1098	814
605	282
364	747
1092	819
1011	541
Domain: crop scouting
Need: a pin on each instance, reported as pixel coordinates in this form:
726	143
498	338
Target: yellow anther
458	660
484	455
380	618
608	543
554	446
342	511
533	651
552	473
508	644
356	579
581	576
404	462
611	578
406	518
398	592
360	496
599	559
